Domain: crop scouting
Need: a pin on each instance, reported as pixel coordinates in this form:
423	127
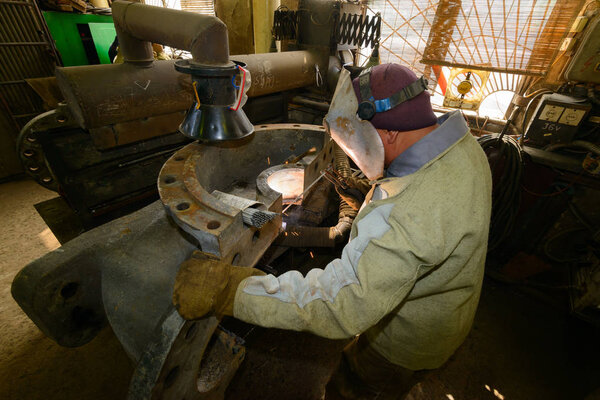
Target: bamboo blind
512	36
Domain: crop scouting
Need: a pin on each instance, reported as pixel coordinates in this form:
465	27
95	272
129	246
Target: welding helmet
358	138
386	97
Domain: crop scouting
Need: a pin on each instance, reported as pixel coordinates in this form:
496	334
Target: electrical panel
557	119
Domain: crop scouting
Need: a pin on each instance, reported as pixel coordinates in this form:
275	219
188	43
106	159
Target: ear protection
369	106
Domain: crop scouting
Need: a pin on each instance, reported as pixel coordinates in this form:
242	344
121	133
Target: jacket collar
452	127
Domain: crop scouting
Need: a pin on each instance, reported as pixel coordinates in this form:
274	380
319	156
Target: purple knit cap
387	79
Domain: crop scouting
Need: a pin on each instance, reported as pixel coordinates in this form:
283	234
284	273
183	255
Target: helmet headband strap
369	106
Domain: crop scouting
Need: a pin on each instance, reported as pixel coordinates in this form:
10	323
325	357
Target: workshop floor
519	348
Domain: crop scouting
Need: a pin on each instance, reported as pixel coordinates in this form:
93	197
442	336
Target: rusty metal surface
190	176
139	25
276	72
130	93
29	147
114	135
100	95
99	185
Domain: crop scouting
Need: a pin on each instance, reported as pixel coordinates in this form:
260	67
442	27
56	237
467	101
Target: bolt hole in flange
183	206
69	290
46	179
170	179
28	153
178	158
236	259
213	225
61	119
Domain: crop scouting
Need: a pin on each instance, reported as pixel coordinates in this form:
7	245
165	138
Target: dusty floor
519	348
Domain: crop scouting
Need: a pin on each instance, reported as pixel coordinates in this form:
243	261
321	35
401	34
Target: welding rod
305	190
334	177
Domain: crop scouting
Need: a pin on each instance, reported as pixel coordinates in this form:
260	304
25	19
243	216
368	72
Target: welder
407	284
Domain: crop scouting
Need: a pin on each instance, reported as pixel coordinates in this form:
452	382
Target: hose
591	94
589	146
506	193
309	236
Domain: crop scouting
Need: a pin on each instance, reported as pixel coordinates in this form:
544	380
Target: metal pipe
589	146
139	25
277	72
129	92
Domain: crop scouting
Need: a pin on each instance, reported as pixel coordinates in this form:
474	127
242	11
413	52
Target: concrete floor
519	348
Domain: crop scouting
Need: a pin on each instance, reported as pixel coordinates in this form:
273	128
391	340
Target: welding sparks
311	254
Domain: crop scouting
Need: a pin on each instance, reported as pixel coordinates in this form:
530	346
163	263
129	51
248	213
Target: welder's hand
205	284
354	194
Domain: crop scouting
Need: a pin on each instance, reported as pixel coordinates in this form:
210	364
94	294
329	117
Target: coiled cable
506	192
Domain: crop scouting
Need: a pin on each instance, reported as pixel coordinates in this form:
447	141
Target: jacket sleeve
376	271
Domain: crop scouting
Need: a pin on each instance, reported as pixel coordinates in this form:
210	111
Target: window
509	39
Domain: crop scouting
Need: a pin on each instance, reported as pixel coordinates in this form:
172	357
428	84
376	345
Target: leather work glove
205	284
356	191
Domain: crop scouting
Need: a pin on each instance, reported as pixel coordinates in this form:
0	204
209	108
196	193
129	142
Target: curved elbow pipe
139	25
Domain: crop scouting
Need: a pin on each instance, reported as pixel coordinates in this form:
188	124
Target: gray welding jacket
410	276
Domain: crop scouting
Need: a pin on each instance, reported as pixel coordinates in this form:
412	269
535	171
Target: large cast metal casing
123	272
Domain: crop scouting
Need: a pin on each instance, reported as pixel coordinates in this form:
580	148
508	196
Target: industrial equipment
113	151
557	119
103	150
